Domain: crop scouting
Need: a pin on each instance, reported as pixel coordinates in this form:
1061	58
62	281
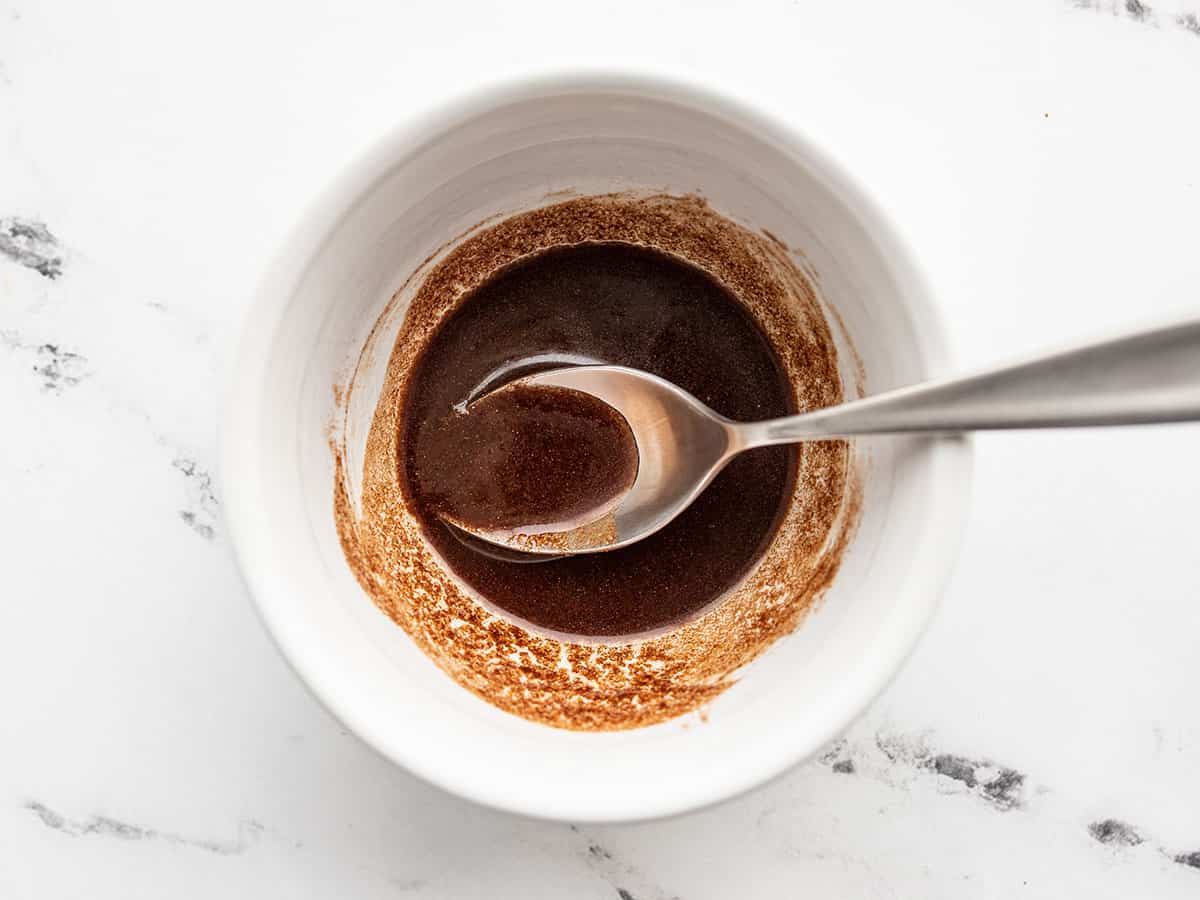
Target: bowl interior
502	154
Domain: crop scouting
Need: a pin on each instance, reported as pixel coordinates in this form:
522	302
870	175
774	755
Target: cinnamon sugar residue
569	683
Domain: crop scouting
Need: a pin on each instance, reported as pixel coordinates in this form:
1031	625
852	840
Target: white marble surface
1046	159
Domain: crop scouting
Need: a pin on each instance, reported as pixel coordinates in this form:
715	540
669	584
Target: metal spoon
1141	379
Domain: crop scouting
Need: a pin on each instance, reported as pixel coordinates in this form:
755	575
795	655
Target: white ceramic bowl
502	151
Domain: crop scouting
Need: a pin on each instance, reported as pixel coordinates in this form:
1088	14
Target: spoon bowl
681	445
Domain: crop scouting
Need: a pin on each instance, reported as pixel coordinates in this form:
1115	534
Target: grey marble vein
837	758
202	517
1115	832
1137	10
30	243
905	756
1122	836
1001	786
1141	12
621	877
57	367
104	826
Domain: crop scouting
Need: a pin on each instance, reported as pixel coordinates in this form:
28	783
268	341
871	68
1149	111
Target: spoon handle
1153	376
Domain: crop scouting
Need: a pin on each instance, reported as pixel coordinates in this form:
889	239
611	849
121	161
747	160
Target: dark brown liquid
625	305
524	457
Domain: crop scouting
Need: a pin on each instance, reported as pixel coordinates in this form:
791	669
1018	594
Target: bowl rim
951	457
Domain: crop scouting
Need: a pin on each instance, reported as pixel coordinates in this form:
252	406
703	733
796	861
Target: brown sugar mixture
517	458
625	305
631	637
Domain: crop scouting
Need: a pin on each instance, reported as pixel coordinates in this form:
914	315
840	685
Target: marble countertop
1043	741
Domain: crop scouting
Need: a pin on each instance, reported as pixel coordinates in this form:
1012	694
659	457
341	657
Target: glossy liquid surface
627	305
